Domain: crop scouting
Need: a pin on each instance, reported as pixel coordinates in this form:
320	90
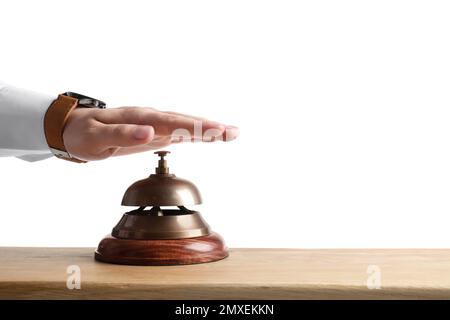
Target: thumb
125	135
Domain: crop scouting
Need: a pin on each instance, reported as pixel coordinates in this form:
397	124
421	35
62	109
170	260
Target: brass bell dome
152	219
162	189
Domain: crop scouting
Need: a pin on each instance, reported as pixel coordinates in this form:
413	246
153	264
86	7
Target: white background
343	108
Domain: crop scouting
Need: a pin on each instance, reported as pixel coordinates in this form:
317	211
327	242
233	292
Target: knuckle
135	114
171	120
119	131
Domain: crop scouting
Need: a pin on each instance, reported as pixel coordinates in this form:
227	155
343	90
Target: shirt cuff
22	123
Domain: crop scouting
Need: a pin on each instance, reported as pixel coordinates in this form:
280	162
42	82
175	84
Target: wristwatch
55	120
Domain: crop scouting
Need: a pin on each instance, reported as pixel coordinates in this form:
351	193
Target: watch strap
55	120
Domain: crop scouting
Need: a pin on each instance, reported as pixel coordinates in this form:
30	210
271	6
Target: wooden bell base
161	252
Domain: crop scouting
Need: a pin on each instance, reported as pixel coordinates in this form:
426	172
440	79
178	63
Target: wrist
57	117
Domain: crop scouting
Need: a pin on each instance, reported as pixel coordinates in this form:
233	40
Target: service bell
153	234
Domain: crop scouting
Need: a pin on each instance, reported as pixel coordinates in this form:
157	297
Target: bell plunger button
162	163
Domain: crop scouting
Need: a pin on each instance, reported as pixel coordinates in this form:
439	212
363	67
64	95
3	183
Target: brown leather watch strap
54	123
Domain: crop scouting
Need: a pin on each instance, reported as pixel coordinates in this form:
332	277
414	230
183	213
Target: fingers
123	135
164	123
231	133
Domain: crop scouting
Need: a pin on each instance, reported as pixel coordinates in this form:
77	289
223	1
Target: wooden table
41	273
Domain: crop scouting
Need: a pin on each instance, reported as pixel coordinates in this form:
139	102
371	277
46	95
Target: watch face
86	101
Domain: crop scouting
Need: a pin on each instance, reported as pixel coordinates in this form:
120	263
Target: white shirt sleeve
22	123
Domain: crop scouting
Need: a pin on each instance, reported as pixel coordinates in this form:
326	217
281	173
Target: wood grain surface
41	273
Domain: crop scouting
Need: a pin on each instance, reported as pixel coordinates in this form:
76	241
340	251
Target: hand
95	134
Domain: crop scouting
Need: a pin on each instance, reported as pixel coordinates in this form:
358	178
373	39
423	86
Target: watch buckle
60	154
